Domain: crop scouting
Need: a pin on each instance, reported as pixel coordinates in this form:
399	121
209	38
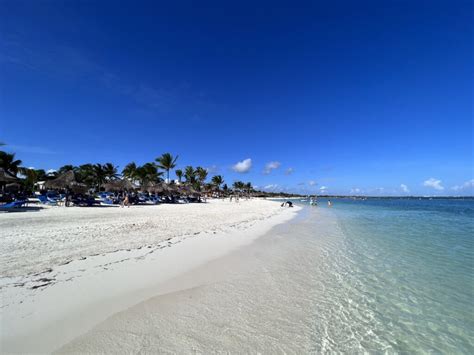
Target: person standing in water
329	203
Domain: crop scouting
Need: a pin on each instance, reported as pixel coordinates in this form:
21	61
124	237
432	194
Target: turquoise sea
400	274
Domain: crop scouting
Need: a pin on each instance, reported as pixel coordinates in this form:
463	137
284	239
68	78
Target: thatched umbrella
5	176
210	189
12	187
118	185
78	188
63	181
170	189
189	190
157	188
149	186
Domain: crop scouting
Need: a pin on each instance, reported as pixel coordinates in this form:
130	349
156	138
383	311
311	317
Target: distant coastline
360	197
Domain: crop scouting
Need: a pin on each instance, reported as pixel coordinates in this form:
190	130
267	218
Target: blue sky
363	97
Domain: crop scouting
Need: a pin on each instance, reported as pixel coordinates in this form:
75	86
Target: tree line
96	175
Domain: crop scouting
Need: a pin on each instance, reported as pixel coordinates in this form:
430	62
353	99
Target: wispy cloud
243	166
404	188
270	166
323	188
312	183
270	187
289	171
355	190
73	64
29	149
433	183
467	186
213	169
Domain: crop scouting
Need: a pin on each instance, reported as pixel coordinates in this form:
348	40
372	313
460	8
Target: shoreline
249	300
43	316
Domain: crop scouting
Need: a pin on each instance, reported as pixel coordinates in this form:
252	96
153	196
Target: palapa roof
67	179
13	186
189	190
5	176
169	188
118	185
158	187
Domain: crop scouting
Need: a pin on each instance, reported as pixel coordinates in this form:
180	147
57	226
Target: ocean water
373	276
402	275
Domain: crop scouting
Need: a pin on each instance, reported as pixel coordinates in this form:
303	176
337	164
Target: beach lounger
47	200
12	205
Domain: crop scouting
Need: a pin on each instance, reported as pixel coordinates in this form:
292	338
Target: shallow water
410	263
391	276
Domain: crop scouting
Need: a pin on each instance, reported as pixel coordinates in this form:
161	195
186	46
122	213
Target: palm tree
179	174
190	174
167	162
110	171
99	174
148	173
248	187
9	163
130	171
217	180
32	176
238	185
66	168
201	174
85	174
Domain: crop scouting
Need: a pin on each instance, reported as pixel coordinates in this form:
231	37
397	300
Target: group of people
313	202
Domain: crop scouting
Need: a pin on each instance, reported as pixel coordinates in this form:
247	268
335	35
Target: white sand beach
64	270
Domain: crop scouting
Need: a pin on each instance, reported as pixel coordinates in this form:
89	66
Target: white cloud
243	166
323	188
404	188
468	185
50	171
271	187
271	166
355	190
312	183
289	171
212	169
433	183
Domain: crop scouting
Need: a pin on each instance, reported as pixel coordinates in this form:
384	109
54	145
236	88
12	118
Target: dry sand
65	270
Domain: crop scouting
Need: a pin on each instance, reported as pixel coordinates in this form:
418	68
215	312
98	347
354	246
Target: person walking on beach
126	200
67	198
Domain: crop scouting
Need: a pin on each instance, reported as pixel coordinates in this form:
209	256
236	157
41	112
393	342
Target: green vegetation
95	176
